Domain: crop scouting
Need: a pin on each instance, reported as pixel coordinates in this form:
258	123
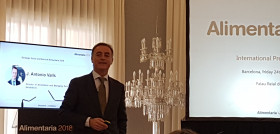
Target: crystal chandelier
158	93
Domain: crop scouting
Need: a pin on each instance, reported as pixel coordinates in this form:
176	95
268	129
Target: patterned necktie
102	94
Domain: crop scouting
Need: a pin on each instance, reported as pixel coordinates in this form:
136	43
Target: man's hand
97	124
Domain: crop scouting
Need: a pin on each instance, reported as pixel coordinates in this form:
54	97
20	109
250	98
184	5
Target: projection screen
234	58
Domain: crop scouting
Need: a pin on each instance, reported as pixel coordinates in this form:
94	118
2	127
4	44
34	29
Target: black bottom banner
41	121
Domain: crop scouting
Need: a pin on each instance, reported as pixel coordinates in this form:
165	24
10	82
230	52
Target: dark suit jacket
17	82
81	101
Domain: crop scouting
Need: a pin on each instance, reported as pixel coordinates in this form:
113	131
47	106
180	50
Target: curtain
68	23
176	31
2	37
2	19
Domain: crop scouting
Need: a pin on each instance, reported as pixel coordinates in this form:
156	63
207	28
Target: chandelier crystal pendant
158	93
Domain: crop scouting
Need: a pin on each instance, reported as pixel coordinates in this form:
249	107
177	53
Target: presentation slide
234	58
37	76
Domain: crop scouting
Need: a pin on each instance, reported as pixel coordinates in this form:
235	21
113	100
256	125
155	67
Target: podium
41	121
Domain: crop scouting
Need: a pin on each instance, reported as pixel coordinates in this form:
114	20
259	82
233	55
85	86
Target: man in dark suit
14	81
82	106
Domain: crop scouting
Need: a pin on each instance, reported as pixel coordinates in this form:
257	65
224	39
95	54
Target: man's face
14	74
102	58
